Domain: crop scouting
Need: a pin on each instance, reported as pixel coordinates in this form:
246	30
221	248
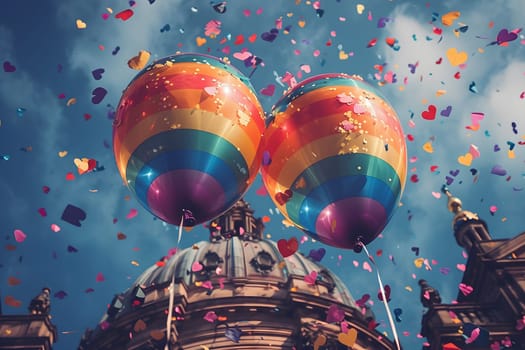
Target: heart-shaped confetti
446	112
269	90
387	293
348	339
270	36
283	197
196	267
210	316
465	160
287	247
335	314
132	213
125	14
140	326
465	289
317	254
430	113
200	41
505	36
80	24
19	235
12	301
367	267
98	95
139	62
97	73
100	277
8	67
311	278
13	281
456	57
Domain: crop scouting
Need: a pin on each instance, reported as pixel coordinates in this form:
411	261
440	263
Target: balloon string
171	289
383	294
180	230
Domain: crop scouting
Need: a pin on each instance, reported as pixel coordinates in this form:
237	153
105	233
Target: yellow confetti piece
408	288
360	8
200	41
448	18
62	154
81	24
465	160
427	147
419	262
301	23
342	55
138	62
109	9
134	263
287	223
71	101
511	154
456	57
441	92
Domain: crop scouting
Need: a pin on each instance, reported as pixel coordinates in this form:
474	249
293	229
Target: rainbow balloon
335	159
187	136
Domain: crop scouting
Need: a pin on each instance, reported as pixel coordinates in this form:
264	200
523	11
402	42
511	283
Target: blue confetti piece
20	111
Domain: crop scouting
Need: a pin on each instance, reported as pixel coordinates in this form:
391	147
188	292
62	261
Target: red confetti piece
13	281
124	15
372	43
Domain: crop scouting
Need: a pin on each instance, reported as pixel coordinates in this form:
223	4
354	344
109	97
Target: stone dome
236	285
207	266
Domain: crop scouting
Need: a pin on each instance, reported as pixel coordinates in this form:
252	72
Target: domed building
236	291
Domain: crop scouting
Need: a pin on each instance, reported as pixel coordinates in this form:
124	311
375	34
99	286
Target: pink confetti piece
132	213
465	289
210	316
196	266
55	228
100	277
20	236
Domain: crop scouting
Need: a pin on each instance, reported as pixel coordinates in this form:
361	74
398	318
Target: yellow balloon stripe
245	137
289	162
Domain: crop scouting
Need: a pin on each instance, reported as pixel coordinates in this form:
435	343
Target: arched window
263	262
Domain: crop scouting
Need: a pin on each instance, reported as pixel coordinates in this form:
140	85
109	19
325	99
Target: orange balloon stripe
233	112
331	125
245	137
293	161
188	76
231	105
324	100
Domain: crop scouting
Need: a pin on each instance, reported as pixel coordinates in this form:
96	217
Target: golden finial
454	203
455	206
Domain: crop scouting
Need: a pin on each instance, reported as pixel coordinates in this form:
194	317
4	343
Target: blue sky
47	61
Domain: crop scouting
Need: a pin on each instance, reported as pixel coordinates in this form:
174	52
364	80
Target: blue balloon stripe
350	164
337	189
187	160
186	140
